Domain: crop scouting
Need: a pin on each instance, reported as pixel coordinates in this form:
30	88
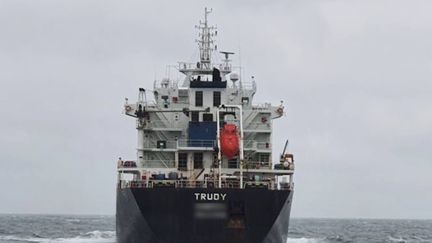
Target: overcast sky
356	78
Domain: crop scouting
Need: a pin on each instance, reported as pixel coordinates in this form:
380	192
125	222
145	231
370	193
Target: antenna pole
206	42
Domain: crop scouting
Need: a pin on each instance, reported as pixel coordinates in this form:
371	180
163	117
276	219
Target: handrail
196	143
169	144
263	145
157	163
251	144
173	144
162	124
171	164
165	84
184	66
180	143
262	106
257	165
247	85
148	164
257	125
233	184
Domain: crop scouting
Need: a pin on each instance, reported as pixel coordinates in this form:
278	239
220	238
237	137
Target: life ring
128	108
280	110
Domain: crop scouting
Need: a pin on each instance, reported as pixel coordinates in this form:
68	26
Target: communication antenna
240	63
205	42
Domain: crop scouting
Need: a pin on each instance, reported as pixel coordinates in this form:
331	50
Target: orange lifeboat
229	140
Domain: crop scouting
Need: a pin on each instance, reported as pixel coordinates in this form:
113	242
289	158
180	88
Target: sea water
94	229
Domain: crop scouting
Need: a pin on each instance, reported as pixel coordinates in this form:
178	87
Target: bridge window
216	98
195	116
182	161
208	117
198	98
198	160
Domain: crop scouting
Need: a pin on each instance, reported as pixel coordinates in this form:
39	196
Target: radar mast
205	42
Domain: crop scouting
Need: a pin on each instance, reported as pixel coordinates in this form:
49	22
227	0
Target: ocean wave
73	220
89	237
109	237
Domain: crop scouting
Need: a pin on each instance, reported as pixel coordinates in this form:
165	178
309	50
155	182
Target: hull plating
168	215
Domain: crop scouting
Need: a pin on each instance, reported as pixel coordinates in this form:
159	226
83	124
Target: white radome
234	77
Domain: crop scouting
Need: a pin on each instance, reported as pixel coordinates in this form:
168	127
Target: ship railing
262	106
149	144
248	143
148	103
146	164
159	164
263	145
258	184
165	83
187	66
285	186
251	144
248	85
207	184
257	125
270	185
230	184
127	164
225	67
196	143
132	184
182	100
162	124
190	184
257	165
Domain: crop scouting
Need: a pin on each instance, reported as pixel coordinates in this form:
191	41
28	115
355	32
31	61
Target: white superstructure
178	129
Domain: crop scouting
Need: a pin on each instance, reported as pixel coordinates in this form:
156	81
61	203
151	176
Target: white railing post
219	147
241	148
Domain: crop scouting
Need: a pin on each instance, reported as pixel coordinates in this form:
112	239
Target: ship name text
210	196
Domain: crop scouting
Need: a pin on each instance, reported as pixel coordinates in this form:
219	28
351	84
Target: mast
206	45
205	42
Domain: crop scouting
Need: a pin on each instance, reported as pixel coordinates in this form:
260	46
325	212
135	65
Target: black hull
168	215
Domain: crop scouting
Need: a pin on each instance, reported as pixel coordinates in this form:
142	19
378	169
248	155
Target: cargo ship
204	171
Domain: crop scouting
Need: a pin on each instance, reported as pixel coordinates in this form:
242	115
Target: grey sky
356	77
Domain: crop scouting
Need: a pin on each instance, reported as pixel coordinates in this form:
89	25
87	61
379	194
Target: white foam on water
400	239
109	237
73	220
304	240
90	237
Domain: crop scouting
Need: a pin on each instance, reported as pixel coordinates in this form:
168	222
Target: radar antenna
226	67
227	53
